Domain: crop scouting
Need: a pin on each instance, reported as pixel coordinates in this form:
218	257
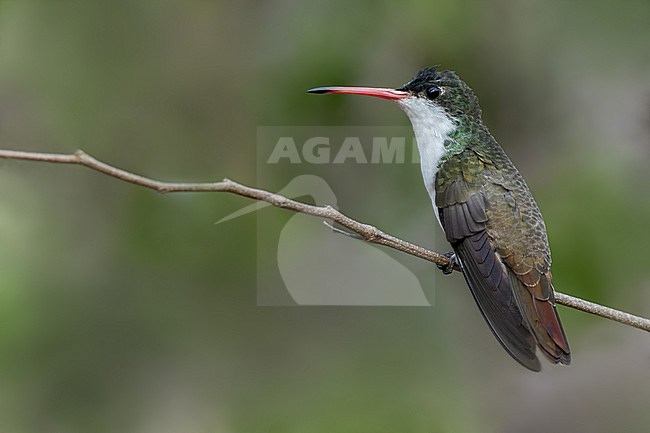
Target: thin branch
366	232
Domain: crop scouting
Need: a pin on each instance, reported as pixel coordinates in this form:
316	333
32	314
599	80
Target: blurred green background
123	310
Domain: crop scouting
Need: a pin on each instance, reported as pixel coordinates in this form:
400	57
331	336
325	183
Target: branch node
80	154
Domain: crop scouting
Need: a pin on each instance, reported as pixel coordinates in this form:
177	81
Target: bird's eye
433	92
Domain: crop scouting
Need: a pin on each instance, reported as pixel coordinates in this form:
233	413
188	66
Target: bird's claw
449	267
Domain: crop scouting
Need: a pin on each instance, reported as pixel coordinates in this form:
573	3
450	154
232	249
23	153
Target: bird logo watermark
305	261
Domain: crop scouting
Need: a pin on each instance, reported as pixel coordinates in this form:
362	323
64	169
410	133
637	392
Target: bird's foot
449	267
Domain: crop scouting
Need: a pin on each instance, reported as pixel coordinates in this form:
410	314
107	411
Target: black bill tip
319	90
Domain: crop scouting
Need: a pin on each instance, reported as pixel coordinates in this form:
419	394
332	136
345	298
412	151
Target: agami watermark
321	150
299	260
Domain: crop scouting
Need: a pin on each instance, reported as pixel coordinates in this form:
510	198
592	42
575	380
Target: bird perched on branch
486	211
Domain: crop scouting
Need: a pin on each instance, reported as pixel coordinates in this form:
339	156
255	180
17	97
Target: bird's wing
462	206
523	248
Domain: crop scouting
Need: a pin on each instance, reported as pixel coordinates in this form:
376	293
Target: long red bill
377	92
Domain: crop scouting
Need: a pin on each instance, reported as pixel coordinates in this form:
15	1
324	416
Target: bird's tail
537	304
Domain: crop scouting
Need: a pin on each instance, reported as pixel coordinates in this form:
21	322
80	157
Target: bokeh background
124	310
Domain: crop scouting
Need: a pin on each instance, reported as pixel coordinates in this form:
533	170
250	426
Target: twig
343	232
366	232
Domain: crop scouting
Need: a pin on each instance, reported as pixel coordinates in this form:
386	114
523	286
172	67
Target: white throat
432	127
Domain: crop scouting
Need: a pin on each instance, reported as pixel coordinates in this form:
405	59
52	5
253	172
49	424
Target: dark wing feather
464	223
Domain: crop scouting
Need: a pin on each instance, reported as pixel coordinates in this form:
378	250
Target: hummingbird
486	211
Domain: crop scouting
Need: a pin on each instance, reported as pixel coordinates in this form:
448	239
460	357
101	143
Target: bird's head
430	94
